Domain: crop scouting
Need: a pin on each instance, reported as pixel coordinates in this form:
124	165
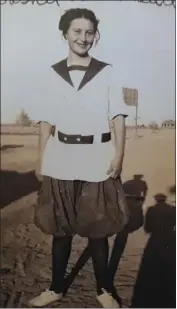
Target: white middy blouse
83	101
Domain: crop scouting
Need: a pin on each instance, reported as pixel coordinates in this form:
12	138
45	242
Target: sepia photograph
88	137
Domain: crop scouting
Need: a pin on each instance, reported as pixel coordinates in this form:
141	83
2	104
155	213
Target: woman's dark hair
74	13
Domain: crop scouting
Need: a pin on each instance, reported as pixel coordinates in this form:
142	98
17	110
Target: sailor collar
94	67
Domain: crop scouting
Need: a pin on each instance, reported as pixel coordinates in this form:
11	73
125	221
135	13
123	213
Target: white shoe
107	301
44	299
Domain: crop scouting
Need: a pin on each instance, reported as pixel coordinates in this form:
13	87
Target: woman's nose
83	37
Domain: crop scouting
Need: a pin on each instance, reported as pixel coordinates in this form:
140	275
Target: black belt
81	139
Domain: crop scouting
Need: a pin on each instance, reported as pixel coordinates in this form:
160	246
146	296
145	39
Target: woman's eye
77	31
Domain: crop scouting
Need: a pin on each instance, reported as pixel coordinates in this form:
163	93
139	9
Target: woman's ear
96	39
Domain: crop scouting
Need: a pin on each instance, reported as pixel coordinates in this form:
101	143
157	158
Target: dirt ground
27	252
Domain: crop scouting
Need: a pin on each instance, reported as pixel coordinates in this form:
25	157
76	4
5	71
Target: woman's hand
38	171
115	168
38	176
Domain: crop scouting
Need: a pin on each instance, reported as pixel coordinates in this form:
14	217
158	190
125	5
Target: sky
138	39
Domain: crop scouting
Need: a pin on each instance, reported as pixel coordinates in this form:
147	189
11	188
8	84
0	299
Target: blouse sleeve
117	105
39	104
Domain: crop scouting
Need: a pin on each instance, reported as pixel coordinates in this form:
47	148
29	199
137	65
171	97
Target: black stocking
61	249
99	252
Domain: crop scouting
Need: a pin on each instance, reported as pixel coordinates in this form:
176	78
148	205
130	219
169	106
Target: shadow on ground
172	189
136	191
14	185
156	281
5	147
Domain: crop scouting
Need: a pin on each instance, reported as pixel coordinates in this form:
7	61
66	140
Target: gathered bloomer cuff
39	121
120	114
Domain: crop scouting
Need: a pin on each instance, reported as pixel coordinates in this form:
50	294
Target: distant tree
23	119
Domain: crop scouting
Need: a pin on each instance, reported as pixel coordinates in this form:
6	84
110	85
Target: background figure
136	187
172	190
136	191
156	281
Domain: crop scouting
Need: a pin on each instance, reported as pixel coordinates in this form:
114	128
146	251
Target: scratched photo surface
138	39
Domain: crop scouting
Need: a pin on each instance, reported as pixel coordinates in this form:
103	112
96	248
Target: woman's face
80	36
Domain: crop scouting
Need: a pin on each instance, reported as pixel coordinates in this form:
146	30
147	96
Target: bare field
13	129
26	251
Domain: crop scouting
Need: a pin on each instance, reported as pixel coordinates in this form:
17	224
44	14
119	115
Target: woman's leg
99	251
61	249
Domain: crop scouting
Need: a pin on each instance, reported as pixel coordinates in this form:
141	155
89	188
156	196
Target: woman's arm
119	135
45	130
117	112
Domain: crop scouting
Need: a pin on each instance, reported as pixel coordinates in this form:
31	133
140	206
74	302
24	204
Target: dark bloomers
89	209
75	13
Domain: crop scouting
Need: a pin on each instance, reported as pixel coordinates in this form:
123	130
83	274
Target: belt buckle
78	138
97	138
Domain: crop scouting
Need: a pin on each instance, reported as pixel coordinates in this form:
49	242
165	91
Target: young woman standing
79	159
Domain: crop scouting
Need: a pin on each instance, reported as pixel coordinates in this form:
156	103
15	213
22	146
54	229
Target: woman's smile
82	45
